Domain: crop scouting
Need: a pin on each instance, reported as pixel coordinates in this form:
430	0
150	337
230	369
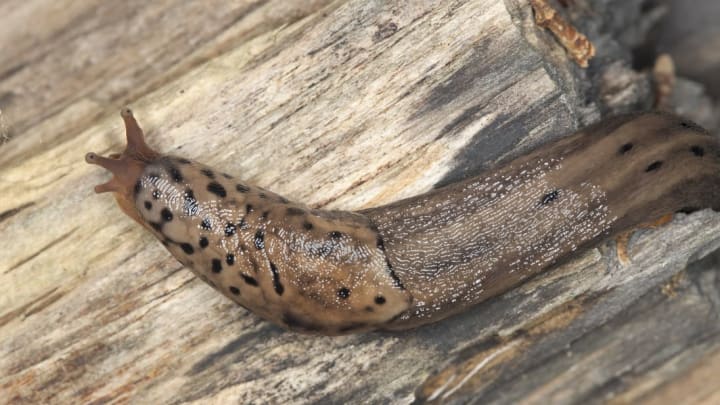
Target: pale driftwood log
357	104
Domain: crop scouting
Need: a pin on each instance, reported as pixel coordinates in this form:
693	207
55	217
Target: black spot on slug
259	239
208	173
343	293
206	224
248	208
166	215
380	243
249	280
379	300
335	234
234	290
241	188
187	248
294	212
279	289
217	189
229	229
307	226
697	151
626	148
148	205
230	259
654	166
216	266
227	176
189	195
550	197
265	215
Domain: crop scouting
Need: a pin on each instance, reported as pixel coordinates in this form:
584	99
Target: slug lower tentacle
424	258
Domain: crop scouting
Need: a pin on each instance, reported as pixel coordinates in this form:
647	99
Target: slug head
127	166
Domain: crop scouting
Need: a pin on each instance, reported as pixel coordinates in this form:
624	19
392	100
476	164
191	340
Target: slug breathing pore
424	258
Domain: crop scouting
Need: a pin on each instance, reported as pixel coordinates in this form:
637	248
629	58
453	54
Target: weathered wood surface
357	104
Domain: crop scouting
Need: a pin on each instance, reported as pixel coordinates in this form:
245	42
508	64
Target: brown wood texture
344	104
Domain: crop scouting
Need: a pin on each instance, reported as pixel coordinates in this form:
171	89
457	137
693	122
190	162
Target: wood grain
344	104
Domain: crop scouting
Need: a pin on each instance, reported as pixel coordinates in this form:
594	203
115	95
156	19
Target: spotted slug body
420	259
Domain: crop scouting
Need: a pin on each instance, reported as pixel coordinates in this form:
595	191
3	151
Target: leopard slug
424	258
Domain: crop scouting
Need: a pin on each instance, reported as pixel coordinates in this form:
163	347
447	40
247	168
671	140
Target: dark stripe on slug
241	188
335	234
183	161
625	148
380	243
138	187
254	265
654	166
248	208
294	212
259	239
234	290
156	226
208	173
697	151
175	174
294	322
687	210
277	285
217	189
351	327
395	278
550	197
187	248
